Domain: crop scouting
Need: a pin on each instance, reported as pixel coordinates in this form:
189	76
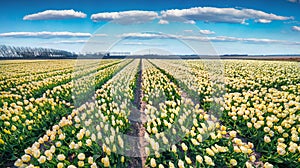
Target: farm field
149	113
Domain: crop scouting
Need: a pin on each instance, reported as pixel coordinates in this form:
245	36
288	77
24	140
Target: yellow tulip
209	152
58	144
199	159
180	164
36	153
248	165
81	156
80	163
60	165
267	139
195	142
18	163
285	135
268	165
188	160
152	162
184	147
233	162
209	161
105	161
61	157
42	159
88	142
232	134
281	151
25	158
13	128
94	165
52	149
171	165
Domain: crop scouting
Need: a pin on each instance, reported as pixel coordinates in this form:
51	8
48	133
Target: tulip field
149	113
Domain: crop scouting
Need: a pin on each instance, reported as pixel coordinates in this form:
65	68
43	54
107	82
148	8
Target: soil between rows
137	128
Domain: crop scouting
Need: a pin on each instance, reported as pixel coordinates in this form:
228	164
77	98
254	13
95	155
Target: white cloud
87	42
145	36
190	22
142	44
224	15
293	1
150	35
44	34
263	21
161	21
206	32
55	15
71	42
126	17
296	28
99	35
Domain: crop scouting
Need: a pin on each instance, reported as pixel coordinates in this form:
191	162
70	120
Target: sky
251	27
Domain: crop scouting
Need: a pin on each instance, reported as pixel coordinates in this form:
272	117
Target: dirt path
137	127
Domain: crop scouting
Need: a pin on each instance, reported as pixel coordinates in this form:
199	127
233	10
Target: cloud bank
126	17
44	34
55	15
145	36
222	15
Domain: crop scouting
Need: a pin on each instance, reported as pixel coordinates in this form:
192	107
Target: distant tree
28	52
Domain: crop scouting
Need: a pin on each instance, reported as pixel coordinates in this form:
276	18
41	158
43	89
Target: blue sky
175	26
